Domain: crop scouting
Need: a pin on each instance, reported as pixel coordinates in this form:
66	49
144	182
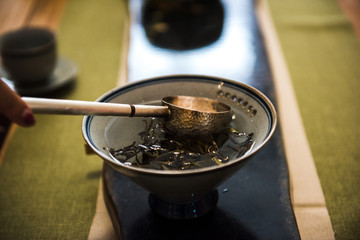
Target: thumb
14	108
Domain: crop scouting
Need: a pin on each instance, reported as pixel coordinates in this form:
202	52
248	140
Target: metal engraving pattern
210	117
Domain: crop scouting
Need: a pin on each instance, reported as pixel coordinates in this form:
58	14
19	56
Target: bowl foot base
188	210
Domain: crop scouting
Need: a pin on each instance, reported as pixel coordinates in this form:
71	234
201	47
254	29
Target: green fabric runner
48	186
323	56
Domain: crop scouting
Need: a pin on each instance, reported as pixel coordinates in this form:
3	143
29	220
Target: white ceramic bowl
254	112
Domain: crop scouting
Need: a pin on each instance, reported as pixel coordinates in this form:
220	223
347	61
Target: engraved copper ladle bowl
194	116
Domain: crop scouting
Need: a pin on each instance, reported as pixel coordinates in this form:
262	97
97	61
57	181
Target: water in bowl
145	143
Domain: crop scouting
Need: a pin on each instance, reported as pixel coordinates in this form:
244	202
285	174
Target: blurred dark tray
255	202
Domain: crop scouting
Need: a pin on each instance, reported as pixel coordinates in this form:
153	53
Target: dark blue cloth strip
218	38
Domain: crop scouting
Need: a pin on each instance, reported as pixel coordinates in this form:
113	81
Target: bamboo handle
74	107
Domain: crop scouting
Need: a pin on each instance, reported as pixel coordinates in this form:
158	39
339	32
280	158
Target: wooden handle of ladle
74	107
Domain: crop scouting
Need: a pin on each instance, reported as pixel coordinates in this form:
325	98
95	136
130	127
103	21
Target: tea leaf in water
164	150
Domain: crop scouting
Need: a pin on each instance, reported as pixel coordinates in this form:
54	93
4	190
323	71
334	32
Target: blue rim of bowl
244	88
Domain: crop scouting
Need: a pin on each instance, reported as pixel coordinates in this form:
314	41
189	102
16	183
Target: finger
14	108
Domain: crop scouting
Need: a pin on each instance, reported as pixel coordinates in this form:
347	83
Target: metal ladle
183	114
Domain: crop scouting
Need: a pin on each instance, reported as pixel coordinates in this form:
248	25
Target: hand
14	108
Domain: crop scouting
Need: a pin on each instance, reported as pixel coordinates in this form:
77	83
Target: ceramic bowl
254	113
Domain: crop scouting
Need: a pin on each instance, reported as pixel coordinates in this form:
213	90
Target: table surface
59	16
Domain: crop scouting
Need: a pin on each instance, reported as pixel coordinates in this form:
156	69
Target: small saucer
64	73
